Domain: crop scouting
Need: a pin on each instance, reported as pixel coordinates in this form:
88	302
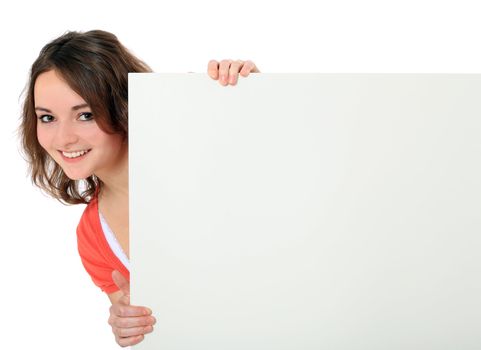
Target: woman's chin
77	176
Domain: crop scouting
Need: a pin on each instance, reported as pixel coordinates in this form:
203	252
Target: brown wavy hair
95	65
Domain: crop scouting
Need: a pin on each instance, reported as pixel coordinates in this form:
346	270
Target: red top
97	257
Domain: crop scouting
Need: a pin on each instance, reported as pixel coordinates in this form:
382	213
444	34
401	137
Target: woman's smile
74	156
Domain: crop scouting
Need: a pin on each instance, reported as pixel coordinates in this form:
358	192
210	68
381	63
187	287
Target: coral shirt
97	257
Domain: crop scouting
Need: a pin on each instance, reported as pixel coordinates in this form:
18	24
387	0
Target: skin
66	124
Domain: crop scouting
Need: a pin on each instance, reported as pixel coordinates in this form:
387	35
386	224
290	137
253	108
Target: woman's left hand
227	71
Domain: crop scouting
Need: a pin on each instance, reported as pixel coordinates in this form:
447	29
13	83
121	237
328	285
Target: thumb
121	282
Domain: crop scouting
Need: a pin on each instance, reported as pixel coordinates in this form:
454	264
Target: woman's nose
66	135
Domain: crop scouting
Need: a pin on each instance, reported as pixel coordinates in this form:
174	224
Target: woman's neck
115	181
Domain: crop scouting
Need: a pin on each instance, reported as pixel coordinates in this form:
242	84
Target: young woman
75	136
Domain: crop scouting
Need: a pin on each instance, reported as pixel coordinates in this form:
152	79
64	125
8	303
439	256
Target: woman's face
67	130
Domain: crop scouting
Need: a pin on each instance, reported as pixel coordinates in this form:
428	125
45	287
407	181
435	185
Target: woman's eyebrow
74	108
83	105
43	109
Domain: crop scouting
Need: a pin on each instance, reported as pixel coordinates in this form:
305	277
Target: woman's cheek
43	139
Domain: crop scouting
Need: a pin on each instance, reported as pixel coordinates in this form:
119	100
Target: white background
47	298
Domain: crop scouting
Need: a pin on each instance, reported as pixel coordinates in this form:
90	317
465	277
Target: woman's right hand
129	323
227	71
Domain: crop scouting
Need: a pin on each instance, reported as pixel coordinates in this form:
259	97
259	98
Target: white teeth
74	154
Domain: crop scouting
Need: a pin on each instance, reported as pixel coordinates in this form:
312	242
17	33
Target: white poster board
307	211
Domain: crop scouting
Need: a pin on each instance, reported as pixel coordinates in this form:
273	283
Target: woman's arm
115	296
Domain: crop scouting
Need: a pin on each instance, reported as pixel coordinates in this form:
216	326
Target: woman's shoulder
89	220
95	254
90	237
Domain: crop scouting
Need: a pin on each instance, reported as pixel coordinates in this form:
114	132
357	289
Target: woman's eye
86	116
45	118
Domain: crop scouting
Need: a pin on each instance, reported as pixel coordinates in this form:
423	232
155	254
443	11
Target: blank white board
307	211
